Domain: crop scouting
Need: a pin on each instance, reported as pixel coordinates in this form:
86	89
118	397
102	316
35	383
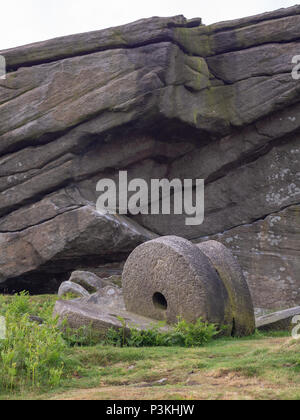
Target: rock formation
287	319
164	96
166	279
68	287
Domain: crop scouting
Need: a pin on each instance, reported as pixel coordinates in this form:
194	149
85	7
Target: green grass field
264	366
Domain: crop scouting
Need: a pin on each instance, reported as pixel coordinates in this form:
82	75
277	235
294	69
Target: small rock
162	381
75	289
87	280
36	319
277	321
114	280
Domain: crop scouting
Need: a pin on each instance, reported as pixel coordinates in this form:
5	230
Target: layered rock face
159	98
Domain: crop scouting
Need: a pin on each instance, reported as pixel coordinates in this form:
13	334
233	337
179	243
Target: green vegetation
40	362
32	354
183	334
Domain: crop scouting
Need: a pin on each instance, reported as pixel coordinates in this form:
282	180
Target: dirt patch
222	385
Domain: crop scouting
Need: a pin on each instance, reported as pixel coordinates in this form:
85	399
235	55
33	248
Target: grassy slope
259	367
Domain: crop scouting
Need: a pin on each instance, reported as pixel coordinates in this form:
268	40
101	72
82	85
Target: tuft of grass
183	334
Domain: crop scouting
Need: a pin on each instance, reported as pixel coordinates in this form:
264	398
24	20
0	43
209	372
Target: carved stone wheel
170	277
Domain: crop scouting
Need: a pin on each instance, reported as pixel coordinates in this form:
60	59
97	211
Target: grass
263	366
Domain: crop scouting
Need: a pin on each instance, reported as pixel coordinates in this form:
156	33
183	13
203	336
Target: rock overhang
216	102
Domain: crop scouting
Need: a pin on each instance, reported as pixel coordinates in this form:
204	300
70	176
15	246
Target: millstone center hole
160	301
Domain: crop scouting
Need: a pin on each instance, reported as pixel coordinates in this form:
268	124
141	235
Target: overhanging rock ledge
163	96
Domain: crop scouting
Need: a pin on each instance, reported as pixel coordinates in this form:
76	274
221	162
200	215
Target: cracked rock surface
163	98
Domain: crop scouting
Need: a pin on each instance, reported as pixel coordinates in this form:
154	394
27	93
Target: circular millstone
233	279
170	277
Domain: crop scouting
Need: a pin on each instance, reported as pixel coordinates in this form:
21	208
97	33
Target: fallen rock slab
89	281
278	321
100	318
63	241
109	296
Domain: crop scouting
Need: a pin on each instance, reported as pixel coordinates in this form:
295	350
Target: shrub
196	334
31	354
38	355
83	336
183	334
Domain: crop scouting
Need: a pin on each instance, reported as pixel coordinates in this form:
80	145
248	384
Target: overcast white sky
26	21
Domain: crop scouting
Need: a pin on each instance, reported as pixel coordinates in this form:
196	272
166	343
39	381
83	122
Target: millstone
170	277
233	279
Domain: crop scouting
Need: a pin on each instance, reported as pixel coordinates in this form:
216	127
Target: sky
26	21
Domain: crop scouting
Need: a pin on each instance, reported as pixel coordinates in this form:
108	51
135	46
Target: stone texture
278	321
115	279
268	251
89	281
166	97
109	296
100	312
59	242
242	195
174	269
233	279
73	288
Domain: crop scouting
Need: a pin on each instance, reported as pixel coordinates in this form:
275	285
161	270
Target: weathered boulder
160	98
99	312
167	279
89	281
68	287
109	296
113	280
278	321
234	281
61	234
